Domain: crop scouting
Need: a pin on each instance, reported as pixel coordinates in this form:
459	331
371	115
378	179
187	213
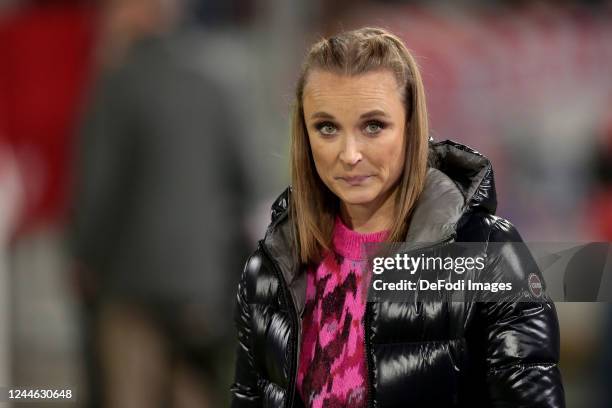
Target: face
356	131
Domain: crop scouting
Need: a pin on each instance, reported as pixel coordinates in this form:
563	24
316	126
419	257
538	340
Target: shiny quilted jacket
423	354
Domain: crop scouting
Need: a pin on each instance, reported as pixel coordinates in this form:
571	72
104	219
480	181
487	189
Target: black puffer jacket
418	355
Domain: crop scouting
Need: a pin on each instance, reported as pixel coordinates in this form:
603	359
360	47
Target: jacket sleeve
245	392
522	337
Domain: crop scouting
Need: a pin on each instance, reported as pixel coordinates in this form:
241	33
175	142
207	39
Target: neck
371	217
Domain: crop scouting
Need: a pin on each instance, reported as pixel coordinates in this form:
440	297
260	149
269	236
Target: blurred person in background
599	220
158	215
364	170
599	210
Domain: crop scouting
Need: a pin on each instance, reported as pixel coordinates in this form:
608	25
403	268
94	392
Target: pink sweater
332	365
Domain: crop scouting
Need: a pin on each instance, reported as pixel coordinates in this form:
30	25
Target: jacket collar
459	180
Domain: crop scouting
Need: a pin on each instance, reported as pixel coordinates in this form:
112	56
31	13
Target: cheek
322	156
398	160
392	158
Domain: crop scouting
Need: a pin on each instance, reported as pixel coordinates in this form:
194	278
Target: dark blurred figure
600	212
158	217
599	217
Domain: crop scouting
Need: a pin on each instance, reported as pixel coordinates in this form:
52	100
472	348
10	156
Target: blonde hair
313	205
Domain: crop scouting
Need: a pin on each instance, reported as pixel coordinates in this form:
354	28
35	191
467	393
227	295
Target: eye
326	128
373	127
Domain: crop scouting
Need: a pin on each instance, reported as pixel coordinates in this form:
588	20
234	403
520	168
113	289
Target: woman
360	173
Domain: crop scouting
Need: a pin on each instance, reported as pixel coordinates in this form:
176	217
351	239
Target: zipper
369	364
294	320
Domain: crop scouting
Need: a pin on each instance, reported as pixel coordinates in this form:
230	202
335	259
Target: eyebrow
374	113
370	114
321	115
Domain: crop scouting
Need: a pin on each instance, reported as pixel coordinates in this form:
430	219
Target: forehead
328	91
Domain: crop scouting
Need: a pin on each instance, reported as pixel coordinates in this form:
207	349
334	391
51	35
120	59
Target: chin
356	196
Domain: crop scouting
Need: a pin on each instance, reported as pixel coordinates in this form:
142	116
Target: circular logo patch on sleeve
535	285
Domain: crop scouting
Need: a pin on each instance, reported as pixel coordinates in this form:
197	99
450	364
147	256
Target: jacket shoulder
280	205
259	281
481	226
509	259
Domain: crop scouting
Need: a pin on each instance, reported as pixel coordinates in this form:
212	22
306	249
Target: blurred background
143	141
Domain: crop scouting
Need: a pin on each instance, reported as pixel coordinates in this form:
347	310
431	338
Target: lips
354	180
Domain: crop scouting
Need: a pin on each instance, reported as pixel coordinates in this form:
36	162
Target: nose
350	153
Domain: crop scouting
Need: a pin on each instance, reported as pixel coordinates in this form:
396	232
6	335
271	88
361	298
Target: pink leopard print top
332	365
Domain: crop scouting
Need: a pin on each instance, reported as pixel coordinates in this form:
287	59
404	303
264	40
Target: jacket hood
459	180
